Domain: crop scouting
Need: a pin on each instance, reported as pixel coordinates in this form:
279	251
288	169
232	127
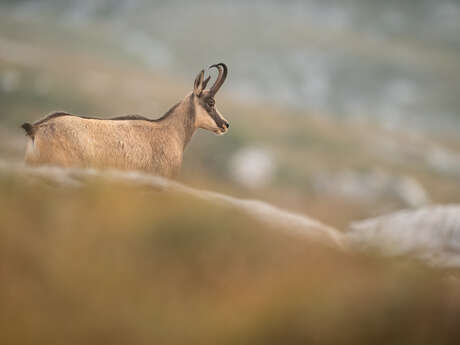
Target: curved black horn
220	79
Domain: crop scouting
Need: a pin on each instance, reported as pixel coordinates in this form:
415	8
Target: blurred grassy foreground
115	264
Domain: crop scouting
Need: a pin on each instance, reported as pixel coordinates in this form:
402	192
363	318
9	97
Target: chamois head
206	114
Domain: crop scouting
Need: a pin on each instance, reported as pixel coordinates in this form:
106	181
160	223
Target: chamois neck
181	118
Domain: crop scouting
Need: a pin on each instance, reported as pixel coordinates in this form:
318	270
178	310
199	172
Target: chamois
131	142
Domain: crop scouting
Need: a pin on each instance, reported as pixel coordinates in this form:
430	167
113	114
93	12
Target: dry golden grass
110	263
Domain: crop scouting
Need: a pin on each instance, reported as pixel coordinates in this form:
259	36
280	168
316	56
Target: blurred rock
443	160
372	186
417	149
252	167
431	234
9	80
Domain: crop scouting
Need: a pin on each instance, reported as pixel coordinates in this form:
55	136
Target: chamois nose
226	124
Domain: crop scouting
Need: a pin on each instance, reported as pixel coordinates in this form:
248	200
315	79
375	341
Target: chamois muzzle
220	78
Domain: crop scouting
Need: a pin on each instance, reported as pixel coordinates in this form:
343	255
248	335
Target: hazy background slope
396	61
344	105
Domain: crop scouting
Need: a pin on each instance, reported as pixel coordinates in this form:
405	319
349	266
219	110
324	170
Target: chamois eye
211	102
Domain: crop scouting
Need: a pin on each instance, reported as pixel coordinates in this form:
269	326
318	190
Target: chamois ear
199	84
205	82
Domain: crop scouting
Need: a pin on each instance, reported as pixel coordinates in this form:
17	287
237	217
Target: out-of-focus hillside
294	158
396	62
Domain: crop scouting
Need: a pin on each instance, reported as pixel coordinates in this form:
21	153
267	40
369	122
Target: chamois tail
30	129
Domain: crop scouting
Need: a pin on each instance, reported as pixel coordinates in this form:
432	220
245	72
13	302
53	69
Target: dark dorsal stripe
116	118
131	117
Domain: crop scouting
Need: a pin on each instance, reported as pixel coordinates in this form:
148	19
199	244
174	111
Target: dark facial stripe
217	119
